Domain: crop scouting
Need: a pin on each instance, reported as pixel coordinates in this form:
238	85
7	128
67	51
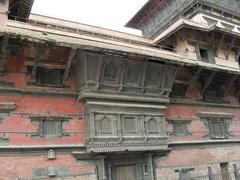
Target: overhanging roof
181	23
20	9
67	39
147	10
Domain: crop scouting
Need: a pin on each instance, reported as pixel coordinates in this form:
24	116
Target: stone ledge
7	106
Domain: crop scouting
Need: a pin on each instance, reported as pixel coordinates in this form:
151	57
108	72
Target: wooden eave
72	40
150	8
20	9
185	23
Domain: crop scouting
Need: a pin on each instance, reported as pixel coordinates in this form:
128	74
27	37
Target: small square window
204	54
180	128
51	128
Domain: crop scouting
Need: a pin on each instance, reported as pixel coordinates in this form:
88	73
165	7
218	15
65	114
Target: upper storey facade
158	15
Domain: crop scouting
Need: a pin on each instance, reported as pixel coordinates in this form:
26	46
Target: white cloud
112	14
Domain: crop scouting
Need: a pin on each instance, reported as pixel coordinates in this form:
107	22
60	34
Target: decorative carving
110	72
49	127
105	124
107	77
119	125
51	154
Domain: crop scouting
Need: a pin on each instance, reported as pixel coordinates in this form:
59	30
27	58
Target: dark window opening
204	54
49	77
179	90
239	60
110	72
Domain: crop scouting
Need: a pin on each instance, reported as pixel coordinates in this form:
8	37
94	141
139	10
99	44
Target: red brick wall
22	166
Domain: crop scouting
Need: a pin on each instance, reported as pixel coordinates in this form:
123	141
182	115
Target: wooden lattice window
110	72
180	128
49	77
49	127
130	125
217	128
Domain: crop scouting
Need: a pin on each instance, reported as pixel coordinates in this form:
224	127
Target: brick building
87	103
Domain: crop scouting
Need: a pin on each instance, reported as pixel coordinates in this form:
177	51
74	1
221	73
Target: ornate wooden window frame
223	118
40	122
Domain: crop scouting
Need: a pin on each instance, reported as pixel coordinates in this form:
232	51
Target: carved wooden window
132	74
217	128
110	72
153	127
130	125
153	75
180	128
49	77
105	124
49	127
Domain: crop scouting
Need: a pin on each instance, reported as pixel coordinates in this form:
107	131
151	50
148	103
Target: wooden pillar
236	173
149	157
101	167
210	174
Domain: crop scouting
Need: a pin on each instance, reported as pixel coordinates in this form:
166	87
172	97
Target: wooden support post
236	173
193	79
208	82
210	174
69	62
238	56
3	51
231	83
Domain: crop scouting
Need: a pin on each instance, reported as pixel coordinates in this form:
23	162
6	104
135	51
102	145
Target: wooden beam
229	85
3	51
69	62
193	79
238	56
208	82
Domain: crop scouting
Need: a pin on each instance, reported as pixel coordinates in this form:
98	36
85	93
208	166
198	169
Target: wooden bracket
208	82
229	85
193	79
72	55
3	51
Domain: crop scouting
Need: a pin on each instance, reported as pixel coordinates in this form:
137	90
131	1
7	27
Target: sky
111	14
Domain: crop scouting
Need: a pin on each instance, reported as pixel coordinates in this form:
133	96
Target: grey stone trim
41	149
197	103
87	95
17	91
196	144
